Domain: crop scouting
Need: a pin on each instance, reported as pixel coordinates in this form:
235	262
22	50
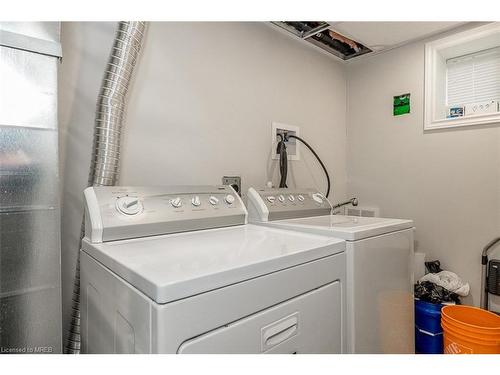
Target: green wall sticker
401	104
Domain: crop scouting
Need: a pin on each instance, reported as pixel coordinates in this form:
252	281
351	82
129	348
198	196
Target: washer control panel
279	204
121	212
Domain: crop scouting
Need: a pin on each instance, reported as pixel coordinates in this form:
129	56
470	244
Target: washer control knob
195	201
300	197
213	200
318	198
281	198
229	199
291	198
271	199
129	205
176	202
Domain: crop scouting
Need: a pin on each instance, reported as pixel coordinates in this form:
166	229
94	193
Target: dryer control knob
291	198
195	201
129	205
318	198
213	200
176	202
281	198
271	199
300	197
229	199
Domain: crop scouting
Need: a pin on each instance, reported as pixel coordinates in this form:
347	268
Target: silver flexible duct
110	112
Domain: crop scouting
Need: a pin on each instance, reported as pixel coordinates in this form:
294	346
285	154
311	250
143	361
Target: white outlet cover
274	144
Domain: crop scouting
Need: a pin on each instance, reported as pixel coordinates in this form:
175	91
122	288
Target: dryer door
309	323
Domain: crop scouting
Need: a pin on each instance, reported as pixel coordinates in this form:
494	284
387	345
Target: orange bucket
470	330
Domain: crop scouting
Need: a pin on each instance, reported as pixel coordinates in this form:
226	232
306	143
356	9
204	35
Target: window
462	79
473	78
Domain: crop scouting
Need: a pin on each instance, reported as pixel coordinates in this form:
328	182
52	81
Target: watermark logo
27	350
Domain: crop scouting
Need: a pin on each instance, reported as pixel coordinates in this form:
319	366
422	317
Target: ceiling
352	40
384	35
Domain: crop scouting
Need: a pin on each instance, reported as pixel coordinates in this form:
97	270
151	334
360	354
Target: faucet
353	201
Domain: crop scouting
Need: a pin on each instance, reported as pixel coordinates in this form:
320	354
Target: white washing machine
178	270
379	264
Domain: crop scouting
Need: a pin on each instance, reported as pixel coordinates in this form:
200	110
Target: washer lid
176	266
349	228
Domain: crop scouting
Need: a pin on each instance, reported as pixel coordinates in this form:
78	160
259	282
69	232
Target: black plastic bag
430	292
433	266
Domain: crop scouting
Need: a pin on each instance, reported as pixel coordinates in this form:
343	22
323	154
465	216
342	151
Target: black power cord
283	160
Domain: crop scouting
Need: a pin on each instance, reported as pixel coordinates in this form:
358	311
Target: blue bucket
428	331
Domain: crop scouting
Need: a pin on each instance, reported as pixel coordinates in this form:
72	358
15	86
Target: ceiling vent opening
322	35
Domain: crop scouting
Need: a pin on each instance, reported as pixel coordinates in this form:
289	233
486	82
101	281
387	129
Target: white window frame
433	94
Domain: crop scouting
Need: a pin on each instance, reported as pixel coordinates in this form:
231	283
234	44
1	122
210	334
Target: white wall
447	181
205	96
201	107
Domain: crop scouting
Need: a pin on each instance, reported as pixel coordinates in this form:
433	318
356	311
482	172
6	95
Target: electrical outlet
234	181
292	146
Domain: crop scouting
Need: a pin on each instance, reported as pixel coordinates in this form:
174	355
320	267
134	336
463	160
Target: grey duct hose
110	111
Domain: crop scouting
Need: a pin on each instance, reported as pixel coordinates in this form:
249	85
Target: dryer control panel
121	212
279	204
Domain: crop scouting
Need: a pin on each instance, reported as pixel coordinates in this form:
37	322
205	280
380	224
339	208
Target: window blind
473	78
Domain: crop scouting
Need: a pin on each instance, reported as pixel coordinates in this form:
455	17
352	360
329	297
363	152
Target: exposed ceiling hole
322	35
